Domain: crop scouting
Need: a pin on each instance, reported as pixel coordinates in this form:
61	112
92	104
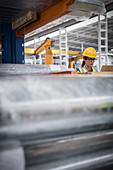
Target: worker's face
89	62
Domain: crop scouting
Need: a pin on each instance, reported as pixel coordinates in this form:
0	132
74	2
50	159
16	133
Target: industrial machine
74	59
48	52
45	48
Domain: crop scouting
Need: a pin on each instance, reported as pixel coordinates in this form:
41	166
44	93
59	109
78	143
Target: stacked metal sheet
55	122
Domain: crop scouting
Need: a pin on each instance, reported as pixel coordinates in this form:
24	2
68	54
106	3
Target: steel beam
53	12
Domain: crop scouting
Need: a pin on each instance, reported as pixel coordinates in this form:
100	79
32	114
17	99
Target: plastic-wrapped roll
61	122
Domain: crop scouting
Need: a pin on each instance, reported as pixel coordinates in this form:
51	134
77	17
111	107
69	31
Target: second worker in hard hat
89	57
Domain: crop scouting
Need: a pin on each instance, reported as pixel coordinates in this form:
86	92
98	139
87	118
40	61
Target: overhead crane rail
55	52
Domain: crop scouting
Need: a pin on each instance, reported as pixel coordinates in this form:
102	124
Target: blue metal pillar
20	50
13	49
6	45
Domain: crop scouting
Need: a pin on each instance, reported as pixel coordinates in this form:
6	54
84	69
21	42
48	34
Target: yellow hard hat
90	52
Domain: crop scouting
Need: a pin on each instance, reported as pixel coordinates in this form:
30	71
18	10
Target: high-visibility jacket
84	70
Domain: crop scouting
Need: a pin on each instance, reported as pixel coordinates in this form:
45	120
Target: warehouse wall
12	49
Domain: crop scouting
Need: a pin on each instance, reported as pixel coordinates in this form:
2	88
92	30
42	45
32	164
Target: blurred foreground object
55	122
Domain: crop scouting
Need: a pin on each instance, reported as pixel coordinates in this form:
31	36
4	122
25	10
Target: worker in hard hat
89	57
